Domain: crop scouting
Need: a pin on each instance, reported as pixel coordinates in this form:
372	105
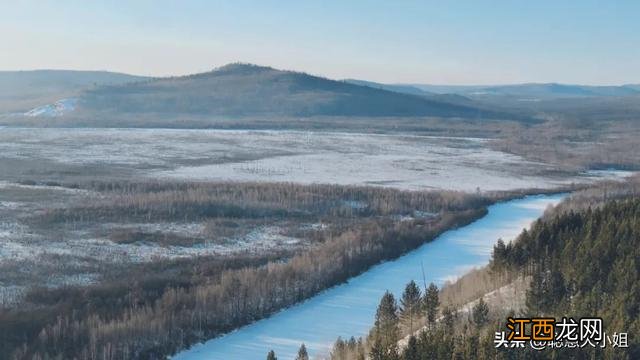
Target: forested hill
582	262
241	90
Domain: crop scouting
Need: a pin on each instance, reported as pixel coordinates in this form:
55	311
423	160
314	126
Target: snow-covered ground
58	108
402	161
13	246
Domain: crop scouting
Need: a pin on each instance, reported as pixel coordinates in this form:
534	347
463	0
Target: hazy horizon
321	75
420	42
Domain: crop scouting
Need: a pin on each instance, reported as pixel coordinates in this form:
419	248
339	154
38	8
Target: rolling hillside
241	90
405	89
20	91
533	90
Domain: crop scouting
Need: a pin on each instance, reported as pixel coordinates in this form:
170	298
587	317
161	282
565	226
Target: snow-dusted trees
385	331
271	355
159	308
302	353
431	303
410	305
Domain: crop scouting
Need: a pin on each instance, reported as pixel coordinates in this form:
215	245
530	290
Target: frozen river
349	309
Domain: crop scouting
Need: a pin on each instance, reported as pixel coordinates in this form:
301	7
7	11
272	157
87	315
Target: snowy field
401	161
34	162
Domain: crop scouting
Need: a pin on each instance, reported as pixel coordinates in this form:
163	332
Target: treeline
582	264
436	340
194	201
149	320
597	196
577	145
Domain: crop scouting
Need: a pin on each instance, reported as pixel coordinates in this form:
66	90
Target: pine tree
448	317
471	347
480	313
411	351
339	349
431	303
535	293
410	304
271	355
386	326
499	255
377	351
302	353
392	352
556	288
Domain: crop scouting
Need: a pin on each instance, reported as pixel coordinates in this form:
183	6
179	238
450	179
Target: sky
401	41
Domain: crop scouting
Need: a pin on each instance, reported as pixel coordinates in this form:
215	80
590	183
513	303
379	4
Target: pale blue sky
440	42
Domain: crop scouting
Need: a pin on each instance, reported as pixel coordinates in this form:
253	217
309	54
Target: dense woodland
189	201
161	307
584	265
582	259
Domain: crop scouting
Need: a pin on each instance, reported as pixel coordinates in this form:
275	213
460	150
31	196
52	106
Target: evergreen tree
386	325
431	303
411	351
271	355
377	351
589	257
499	255
302	353
410	304
392	352
556	288
339	349
471	347
448	317
535	294
480	313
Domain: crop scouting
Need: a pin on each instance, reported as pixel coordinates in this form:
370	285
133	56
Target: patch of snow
260	239
265	237
424	214
11	230
355	204
10	250
9	185
183	229
313	226
59	108
11	295
75	279
609	174
10	205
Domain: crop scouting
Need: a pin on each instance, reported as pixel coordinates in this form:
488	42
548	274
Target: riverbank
348	309
145	305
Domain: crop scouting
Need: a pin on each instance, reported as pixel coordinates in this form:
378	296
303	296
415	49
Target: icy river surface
348	309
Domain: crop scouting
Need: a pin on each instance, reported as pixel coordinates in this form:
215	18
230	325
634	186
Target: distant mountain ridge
21	91
24	78
245	90
414	90
405	89
239	92
538	90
